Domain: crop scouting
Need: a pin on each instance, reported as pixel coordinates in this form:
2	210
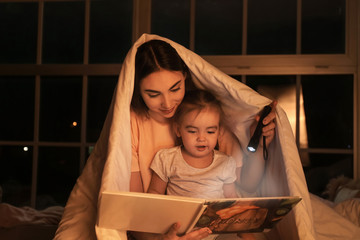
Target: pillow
345	193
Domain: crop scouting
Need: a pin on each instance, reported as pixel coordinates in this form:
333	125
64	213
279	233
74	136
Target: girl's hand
194	235
268	130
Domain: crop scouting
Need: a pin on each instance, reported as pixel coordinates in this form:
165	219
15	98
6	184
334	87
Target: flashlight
254	141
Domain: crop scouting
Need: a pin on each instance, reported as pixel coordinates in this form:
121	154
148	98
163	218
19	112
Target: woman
161	80
109	166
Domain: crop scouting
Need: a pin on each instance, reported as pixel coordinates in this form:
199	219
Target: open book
145	212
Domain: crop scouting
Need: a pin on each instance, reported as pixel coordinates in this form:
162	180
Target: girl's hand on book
194	235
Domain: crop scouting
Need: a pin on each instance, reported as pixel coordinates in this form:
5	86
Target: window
18	38
271	27
60	61
54	101
65	21
211	37
320	20
299	51
325	110
171	19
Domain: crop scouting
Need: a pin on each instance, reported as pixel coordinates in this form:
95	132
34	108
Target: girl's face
162	92
199	132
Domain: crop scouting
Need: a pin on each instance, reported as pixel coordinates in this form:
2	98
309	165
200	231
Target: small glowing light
74	124
251	149
26	149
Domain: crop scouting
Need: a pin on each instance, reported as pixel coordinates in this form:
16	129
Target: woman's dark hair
197	100
153	56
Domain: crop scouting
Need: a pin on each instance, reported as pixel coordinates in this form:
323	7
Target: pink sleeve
134	143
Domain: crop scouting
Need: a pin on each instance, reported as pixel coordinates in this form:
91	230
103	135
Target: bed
108	167
26	223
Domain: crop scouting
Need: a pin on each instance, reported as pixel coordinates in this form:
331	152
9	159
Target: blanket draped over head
108	167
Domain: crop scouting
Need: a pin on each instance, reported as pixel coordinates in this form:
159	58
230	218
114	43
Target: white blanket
108	167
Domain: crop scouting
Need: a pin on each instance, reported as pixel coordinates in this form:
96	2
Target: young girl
195	169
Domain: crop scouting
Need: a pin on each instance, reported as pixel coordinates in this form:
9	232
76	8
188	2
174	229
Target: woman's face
162	92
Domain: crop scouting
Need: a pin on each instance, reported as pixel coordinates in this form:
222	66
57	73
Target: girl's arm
157	185
136	182
230	190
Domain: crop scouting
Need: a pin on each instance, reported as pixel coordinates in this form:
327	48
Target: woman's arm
268	130
252	171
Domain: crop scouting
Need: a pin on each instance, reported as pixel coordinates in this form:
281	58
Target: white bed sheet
332	222
108	167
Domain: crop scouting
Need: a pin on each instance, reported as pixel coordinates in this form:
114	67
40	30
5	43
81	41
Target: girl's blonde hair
197	100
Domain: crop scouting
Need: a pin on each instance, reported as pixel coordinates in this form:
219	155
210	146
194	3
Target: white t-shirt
185	180
149	136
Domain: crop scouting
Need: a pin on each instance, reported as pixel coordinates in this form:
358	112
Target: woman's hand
194	235
268	130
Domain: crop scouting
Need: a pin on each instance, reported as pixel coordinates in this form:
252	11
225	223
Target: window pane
171	19
58	170
328	104
15	174
259	82
17	96
100	92
63	40
60	108
218	27
271	27
323	26
325	167
18	31
110	30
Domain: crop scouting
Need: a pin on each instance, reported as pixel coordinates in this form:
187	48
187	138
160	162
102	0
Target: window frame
297	64
244	65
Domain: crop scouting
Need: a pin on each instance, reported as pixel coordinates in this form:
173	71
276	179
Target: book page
245	214
145	212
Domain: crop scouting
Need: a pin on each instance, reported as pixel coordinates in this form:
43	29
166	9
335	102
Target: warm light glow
286	97
26	149
74	124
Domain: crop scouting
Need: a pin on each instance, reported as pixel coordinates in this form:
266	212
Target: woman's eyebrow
175	84
154	91
151	91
